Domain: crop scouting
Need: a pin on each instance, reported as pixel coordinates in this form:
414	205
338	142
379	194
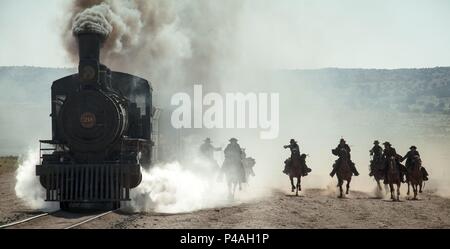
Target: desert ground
314	208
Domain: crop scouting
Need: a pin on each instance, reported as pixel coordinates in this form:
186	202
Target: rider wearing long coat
295	151
343	145
207	151
409	159
389	152
233	160
377	153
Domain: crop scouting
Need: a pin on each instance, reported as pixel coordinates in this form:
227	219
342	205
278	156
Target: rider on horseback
389	152
343	145
233	159
207	149
377	153
295	153
410	158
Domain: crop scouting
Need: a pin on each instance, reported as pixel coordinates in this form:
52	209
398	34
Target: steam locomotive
101	133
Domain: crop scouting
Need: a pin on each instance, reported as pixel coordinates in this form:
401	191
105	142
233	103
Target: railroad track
62	220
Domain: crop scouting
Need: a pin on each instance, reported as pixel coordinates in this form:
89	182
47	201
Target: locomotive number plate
87	120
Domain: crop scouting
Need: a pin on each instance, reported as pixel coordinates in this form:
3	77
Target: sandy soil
11	208
315	209
8	164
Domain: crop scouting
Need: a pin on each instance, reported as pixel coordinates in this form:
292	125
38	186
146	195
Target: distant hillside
25	95
28	84
408	90
405	90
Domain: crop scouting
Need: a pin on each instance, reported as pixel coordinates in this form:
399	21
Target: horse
378	172
393	176
296	171
344	172
248	164
415	176
235	176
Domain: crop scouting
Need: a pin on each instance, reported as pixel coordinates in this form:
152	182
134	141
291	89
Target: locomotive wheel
64	205
116	205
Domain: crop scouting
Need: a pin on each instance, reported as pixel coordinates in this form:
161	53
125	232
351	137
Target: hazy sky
285	33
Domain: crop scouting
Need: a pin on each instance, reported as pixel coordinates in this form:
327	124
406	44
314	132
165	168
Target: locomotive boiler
101	132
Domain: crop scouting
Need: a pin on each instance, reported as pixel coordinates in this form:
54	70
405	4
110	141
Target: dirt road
317	208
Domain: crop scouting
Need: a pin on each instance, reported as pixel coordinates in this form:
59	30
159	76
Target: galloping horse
296	171
235	175
393	177
344	172
248	164
378	172
415	176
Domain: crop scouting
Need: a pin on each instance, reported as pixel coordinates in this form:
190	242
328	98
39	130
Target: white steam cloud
28	187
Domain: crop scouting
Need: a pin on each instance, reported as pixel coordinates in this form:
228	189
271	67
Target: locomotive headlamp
87	73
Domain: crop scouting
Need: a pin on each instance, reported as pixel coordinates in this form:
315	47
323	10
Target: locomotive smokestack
91	27
89	45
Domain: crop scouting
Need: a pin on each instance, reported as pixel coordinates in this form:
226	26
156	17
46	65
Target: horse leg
379	185
391	187
292	183
420	187
340	182
415	187
408	189
398	191
234	190
296	188
299	183
348	186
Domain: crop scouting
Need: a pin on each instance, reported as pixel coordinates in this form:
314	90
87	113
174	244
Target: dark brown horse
344	172
378	173
393	176
414	176
296	171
